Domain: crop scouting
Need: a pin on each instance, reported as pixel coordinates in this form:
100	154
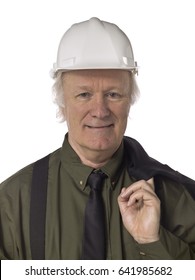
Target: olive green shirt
67	196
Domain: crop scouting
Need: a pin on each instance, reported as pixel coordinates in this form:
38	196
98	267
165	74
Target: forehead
114	78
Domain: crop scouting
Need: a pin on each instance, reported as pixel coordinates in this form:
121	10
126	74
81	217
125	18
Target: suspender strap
38	208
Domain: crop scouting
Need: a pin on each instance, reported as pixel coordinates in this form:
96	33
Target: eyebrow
89	88
83	87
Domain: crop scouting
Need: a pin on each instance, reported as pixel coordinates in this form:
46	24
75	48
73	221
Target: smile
100	127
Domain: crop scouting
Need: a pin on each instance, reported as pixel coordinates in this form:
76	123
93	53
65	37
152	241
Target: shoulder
18	180
21	180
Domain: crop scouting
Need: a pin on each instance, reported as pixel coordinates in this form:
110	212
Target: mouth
99	127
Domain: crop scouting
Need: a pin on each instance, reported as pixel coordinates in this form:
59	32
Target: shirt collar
80	172
114	166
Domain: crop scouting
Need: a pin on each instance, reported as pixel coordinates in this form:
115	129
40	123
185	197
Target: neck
94	162
94	159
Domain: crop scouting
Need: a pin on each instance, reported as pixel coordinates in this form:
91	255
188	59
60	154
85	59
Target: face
97	104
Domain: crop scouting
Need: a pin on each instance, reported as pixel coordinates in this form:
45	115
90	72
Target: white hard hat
94	44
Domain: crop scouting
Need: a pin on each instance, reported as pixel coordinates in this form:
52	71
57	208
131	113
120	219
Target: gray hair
58	93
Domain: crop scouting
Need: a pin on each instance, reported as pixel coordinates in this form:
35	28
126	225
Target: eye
84	95
114	95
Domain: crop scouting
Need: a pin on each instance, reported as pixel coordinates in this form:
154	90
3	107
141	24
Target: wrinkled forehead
108	78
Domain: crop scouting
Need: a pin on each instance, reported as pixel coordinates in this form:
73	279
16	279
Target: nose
99	107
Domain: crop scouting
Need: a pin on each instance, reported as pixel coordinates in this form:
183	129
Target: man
138	208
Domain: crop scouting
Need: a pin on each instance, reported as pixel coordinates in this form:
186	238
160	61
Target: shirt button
81	182
142	253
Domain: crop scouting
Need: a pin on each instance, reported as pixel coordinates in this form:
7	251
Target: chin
104	145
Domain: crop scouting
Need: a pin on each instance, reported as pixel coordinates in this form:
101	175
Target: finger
137	186
143	197
122	198
151	183
123	190
138	197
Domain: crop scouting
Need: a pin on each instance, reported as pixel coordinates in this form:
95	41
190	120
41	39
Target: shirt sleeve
169	247
14	216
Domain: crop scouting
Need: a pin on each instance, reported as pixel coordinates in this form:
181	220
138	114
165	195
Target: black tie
94	241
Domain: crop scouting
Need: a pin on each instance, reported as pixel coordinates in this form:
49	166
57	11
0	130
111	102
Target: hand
140	211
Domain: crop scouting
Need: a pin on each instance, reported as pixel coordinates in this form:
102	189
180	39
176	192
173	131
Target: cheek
123	112
68	109
123	115
68	115
73	115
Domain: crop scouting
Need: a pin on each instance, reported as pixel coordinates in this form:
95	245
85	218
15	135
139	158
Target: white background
162	34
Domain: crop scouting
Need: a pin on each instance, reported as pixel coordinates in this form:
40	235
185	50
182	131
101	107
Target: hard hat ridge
100	42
